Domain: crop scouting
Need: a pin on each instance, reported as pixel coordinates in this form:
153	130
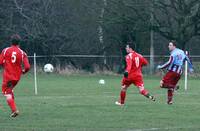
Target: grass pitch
80	103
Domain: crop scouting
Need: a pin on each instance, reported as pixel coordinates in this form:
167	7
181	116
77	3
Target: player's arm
2	57
191	69
144	61
26	64
166	64
128	65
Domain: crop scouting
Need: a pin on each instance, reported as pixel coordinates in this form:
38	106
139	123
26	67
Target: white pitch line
95	96
99	95
161	129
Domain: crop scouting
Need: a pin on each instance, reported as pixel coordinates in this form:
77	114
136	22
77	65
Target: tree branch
20	9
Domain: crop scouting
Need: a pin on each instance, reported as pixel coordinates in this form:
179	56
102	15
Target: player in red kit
133	75
11	59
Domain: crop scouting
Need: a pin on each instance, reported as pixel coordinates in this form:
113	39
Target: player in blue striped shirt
175	69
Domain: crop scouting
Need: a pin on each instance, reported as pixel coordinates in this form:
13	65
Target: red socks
170	95
144	92
122	96
11	102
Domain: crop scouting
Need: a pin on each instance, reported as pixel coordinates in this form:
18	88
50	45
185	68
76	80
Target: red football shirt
12	59
134	63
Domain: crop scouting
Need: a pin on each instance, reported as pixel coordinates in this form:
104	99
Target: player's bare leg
162	85
121	101
145	93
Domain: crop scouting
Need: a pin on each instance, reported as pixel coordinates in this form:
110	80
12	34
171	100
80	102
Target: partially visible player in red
12	59
133	75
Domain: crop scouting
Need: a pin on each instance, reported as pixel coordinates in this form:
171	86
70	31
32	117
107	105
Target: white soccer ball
101	81
48	68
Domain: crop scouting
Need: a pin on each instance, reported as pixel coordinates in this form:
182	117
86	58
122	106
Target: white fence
100	61
93	63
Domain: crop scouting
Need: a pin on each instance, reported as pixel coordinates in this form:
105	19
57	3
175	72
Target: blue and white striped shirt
176	61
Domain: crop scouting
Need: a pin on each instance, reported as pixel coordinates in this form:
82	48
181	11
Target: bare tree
20	9
177	19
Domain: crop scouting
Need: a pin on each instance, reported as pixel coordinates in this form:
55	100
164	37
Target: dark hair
173	42
130	45
15	39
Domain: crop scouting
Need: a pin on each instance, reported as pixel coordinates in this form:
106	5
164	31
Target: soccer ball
101	81
48	68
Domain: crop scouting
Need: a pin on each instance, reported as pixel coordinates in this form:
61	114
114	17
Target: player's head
129	48
15	39
172	45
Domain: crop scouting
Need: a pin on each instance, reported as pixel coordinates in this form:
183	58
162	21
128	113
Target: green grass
79	103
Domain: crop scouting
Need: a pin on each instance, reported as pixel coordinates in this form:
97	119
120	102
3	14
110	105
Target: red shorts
136	80
7	86
171	79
